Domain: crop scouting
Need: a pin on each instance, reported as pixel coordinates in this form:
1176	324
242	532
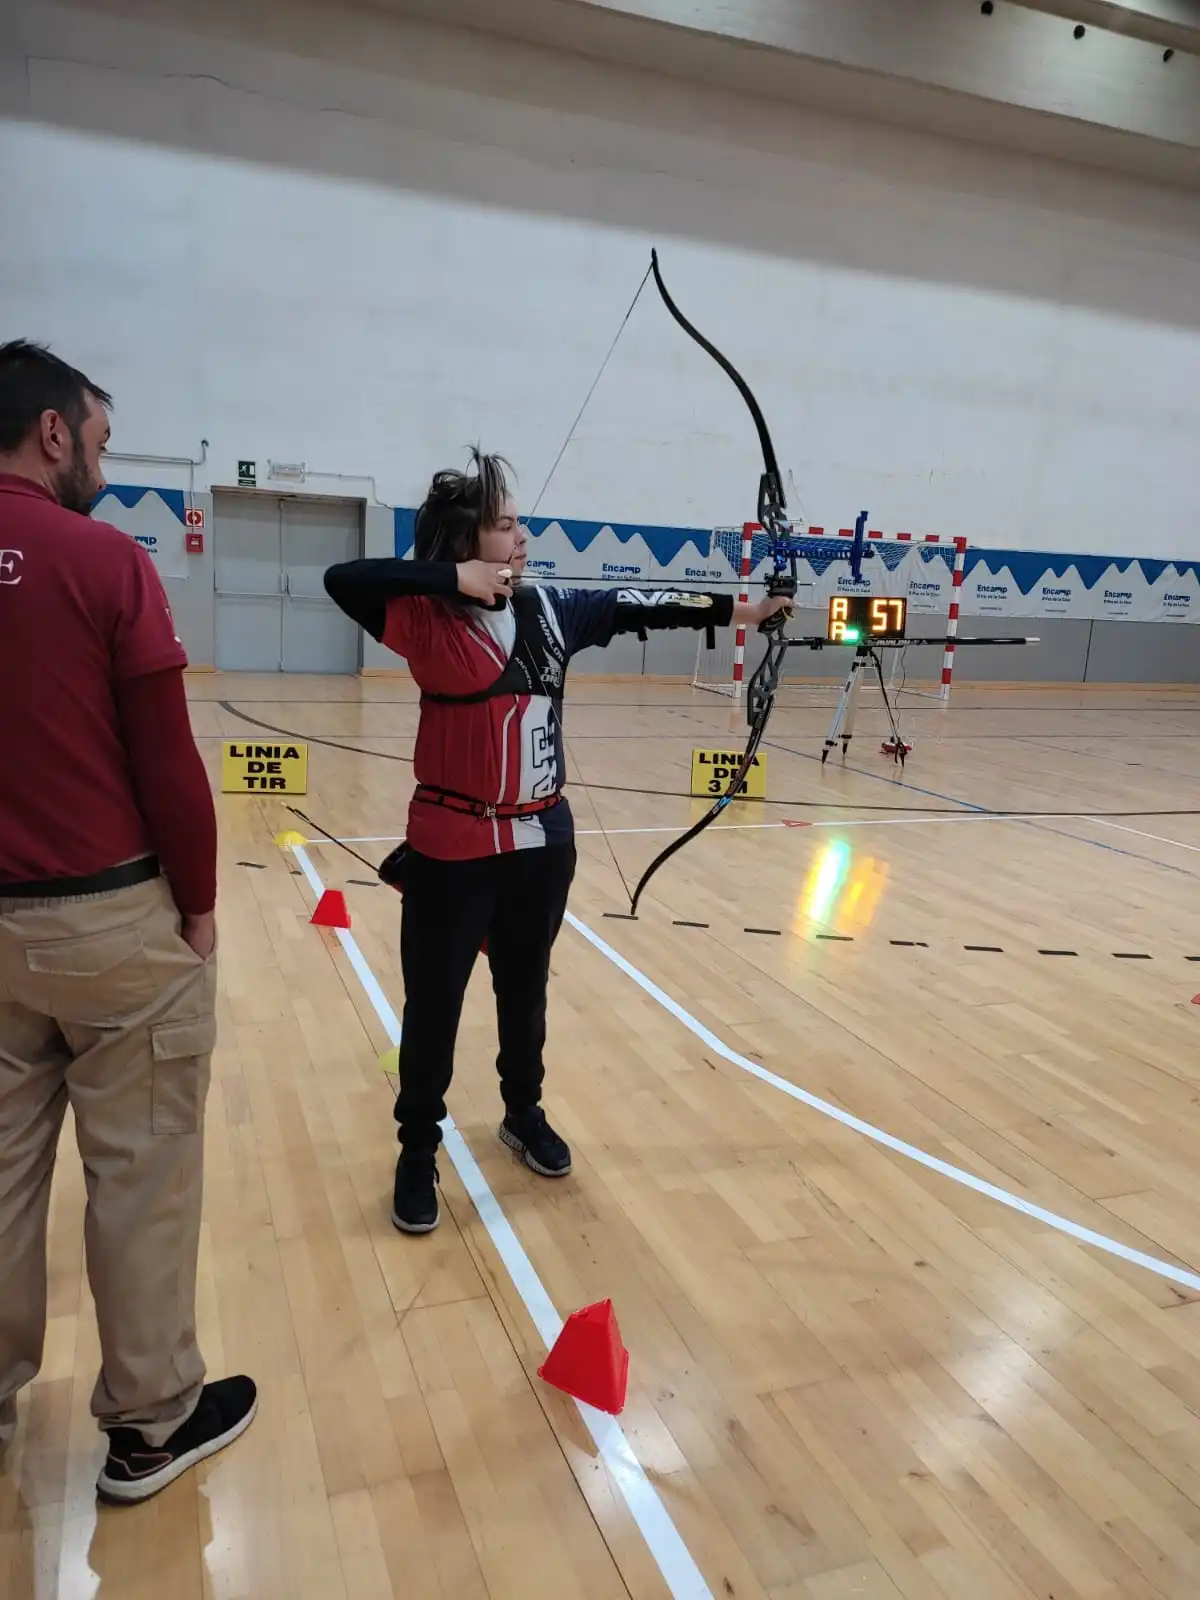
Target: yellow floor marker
285	841
389	1061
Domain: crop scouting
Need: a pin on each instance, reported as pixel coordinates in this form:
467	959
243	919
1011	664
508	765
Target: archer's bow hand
754	615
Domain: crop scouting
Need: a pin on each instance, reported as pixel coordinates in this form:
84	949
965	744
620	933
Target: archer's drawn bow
773	519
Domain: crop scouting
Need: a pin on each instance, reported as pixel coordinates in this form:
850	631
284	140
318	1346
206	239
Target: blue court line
969	805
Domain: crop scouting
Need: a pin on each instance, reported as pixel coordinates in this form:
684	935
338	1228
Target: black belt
104	882
482	808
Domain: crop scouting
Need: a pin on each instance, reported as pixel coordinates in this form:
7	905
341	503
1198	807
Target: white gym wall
361	243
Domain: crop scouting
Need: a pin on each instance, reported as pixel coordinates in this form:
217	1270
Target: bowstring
591	391
558	722
533	513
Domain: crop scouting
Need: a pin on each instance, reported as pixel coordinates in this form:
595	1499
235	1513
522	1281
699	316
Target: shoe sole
415	1227
113	1493
513	1143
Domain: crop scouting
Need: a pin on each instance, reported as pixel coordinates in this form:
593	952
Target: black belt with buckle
492	810
106	881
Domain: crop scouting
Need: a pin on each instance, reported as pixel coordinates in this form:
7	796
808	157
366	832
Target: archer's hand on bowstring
753	614
485	581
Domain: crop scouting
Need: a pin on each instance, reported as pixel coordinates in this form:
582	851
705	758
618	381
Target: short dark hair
32	380
457	506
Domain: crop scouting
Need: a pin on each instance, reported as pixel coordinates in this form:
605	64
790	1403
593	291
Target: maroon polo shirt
82	615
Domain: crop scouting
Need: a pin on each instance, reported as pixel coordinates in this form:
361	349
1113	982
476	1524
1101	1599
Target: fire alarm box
195	544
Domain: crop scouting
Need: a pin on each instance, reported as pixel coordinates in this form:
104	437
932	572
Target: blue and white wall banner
1034	583
996	583
154	517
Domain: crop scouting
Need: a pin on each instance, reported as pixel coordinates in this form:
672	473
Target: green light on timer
851	635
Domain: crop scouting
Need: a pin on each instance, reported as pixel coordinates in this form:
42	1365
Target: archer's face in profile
505	540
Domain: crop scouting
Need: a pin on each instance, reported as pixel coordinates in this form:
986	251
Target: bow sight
783	547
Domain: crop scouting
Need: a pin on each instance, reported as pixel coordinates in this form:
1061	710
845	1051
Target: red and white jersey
496	737
506	748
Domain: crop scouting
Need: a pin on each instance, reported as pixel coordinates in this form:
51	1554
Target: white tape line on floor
1075	1230
680	1572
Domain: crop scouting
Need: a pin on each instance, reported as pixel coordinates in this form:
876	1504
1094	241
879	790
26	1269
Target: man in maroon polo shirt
107	938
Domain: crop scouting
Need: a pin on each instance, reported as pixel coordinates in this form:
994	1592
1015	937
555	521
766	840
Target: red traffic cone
588	1359
331	911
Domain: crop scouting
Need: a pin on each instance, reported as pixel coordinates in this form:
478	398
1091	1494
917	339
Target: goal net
927	572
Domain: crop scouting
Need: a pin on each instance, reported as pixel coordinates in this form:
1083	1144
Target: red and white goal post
723	670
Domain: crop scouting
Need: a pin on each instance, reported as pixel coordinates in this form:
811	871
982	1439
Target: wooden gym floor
852	1375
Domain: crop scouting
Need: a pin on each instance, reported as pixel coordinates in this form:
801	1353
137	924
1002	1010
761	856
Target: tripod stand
866	656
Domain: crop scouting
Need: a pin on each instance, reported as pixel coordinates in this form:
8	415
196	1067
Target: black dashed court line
257	865
363	883
829	938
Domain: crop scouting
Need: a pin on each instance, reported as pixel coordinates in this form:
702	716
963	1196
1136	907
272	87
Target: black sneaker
415	1201
135	1470
535	1141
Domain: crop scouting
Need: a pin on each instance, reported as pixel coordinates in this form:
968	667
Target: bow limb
709	817
727	366
763	685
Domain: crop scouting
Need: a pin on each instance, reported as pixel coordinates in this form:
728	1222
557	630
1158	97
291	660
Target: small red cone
588	1360
1196	999
789	823
331	911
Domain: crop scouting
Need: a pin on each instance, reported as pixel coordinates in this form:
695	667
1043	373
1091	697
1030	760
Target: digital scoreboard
866	619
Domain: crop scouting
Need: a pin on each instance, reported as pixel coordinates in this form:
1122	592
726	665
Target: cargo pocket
181	1052
95	977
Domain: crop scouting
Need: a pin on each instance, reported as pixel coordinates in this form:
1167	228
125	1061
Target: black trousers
516	902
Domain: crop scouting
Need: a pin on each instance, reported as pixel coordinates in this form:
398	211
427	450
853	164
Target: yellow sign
264	768
713	770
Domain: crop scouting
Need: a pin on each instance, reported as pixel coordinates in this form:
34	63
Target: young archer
490	845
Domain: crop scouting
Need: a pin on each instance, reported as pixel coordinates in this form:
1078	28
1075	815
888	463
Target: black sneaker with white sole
535	1141
136	1470
414	1200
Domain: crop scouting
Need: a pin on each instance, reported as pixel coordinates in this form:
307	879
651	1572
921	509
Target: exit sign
247	474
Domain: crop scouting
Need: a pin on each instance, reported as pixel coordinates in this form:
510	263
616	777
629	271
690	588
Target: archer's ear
55	435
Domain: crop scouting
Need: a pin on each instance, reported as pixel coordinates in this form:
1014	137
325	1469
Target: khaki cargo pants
104	1005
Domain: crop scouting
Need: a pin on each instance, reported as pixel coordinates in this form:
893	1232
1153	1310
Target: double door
270	556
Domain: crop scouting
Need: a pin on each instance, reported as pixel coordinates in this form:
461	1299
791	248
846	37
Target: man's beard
74	487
